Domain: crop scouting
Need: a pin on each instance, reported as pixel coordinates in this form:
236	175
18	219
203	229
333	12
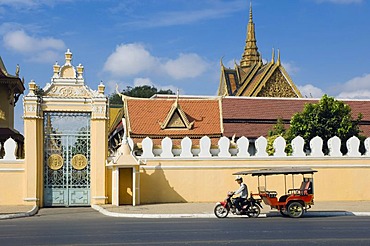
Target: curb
29	213
179	216
149	216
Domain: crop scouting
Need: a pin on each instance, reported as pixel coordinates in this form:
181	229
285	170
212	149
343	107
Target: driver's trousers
238	202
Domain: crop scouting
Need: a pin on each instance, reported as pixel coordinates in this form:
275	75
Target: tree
326	119
278	130
144	91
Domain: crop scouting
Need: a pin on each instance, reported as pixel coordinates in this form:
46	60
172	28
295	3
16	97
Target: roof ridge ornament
176	117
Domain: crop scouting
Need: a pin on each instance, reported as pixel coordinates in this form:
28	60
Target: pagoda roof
13	80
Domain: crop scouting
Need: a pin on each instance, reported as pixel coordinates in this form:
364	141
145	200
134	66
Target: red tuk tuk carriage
295	201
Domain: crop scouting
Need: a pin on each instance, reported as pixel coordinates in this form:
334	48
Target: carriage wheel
295	210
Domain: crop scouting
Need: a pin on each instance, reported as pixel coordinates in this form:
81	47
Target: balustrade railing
226	148
10	149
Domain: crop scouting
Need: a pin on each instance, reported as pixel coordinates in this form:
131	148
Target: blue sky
178	44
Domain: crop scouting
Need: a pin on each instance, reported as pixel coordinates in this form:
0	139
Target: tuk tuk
295	201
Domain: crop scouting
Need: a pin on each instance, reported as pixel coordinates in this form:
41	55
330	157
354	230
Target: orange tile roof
146	115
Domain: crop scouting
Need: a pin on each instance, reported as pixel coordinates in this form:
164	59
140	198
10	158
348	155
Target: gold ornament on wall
79	162
55	162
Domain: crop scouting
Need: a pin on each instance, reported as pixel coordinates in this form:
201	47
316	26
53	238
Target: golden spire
250	55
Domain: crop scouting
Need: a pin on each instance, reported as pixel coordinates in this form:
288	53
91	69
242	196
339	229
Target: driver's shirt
243	191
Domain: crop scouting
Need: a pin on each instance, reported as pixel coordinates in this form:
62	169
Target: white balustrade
167	148
261	144
186	145
240	148
353	146
224	145
10	148
298	146
316	147
334	144
243	145
279	146
147	145
367	146
205	147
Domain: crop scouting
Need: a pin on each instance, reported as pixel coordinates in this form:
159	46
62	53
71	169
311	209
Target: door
66	159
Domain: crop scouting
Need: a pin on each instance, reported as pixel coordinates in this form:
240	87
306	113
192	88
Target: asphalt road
84	226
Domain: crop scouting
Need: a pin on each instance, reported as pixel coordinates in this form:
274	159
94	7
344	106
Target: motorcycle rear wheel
253	211
220	211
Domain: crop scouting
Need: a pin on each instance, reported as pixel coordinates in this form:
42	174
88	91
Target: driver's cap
238	178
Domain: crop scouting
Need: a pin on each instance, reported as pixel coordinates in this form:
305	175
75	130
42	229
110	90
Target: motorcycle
250	207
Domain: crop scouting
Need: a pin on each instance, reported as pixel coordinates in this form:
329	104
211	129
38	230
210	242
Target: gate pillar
99	150
33	146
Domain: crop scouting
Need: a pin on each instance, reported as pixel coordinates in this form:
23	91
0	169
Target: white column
115	186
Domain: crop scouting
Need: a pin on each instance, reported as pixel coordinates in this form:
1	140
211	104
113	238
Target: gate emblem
79	162
55	161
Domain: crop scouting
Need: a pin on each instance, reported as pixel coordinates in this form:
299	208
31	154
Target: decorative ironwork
67	135
55	162
79	162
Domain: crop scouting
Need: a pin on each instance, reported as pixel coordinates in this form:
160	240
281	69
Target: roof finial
250	55
177	96
278	60
273	56
221	62
250	12
17	70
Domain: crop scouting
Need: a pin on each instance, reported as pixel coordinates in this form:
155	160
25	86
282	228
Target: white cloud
134	59
358	87
208	11
310	91
143	81
111	85
290	67
129	59
339	1
30	4
185	66
40	49
359	94
21	42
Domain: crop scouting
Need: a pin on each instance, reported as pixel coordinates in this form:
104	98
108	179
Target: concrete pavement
197	210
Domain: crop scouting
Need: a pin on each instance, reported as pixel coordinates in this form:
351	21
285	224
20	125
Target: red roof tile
254	117
146	115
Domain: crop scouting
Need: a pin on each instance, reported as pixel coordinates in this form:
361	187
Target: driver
243	191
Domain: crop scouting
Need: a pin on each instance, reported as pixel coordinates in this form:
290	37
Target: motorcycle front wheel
253	211
220	211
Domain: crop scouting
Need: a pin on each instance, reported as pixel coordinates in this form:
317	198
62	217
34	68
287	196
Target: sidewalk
17	211
197	210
